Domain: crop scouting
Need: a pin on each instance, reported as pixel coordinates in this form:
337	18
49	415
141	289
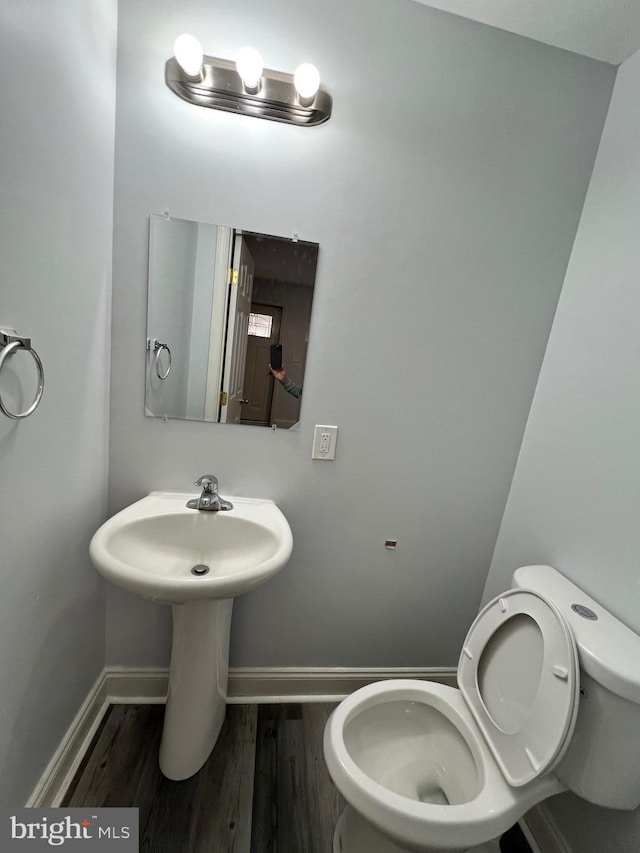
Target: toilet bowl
427	767
408	754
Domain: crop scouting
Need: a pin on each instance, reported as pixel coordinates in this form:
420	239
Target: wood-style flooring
264	789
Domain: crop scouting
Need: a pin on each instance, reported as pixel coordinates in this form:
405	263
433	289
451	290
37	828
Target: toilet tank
602	761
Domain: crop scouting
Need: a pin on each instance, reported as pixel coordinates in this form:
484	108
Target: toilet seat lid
518	673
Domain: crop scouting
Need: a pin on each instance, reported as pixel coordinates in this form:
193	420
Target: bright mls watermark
27	830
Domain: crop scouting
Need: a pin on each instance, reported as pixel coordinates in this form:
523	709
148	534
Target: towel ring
158	347
13	344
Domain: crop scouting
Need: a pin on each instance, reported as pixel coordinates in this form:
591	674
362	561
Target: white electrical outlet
324	442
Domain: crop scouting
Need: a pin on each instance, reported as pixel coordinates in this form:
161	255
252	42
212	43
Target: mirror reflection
228	323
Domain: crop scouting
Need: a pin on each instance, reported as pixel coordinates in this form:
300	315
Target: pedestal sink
196	562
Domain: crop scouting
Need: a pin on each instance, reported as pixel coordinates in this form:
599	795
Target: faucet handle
208	482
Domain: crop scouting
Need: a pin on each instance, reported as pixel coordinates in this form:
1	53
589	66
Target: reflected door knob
243	402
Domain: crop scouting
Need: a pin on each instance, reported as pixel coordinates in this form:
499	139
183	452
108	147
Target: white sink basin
151	547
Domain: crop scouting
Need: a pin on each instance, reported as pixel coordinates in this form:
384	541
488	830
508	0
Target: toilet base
354	834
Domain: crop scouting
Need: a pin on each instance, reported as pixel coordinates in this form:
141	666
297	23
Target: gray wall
575	498
56	165
444	192
170	314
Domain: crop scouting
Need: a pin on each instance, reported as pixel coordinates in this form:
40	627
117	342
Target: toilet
548	700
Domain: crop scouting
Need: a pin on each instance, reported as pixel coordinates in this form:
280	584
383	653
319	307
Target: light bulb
188	53
306	79
249	66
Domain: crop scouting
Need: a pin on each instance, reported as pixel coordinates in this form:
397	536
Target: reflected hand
279	373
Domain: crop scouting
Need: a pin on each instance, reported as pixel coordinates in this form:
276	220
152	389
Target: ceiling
608	30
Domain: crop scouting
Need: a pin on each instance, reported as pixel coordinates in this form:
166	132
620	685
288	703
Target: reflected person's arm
292	388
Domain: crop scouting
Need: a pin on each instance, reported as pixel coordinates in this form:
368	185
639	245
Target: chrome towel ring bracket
10	343
153	344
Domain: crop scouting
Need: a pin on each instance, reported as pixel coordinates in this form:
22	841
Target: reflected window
260	325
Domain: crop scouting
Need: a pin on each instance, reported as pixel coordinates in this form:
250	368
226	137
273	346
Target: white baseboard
542	833
148	686
117	685
66	759
317	684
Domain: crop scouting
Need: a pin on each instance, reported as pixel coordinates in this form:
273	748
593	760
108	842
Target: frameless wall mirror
219	299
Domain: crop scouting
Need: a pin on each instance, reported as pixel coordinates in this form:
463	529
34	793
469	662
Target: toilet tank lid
608	651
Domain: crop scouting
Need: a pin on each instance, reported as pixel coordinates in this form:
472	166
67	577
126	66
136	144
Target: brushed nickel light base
220	87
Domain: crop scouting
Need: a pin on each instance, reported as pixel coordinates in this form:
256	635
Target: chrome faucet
209	500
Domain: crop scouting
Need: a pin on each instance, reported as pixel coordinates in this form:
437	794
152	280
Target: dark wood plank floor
264	789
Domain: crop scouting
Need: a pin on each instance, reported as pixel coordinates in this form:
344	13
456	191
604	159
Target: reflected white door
224	248
237	337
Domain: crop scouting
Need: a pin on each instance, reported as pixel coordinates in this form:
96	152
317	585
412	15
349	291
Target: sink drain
200	569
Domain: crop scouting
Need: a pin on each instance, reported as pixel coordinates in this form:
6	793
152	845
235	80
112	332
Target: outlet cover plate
324	442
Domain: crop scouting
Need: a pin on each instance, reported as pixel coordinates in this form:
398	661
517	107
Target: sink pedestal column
198	676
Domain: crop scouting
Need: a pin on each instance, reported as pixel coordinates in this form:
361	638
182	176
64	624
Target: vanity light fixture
245	87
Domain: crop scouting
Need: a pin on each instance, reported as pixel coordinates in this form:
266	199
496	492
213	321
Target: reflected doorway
264	330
